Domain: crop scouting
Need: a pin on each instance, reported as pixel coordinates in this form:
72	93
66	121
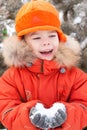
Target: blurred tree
74	23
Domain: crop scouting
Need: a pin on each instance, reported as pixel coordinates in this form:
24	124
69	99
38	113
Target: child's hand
58	119
37	117
45	118
59	115
40	121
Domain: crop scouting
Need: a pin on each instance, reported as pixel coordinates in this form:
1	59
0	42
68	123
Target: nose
46	43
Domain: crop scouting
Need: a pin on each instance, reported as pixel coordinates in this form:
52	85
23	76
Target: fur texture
17	53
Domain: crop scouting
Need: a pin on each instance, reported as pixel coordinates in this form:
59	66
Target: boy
43	88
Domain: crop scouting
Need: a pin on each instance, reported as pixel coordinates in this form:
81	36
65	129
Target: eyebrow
52	31
36	33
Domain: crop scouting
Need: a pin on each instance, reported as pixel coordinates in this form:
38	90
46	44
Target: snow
61	16
84	43
77	20
49	112
24	1
82	14
1	47
73	34
10	30
10	26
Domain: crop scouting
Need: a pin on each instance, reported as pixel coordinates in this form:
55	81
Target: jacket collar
17	53
43	66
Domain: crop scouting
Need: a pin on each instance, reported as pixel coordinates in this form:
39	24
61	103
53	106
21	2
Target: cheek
34	47
55	49
56	44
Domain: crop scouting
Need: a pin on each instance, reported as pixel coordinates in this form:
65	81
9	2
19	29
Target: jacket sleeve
77	103
14	113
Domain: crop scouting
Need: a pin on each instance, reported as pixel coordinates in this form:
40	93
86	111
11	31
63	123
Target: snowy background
73	15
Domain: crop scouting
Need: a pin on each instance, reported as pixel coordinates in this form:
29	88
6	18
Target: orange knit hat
38	15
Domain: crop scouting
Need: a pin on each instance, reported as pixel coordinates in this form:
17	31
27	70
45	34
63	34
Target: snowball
50	112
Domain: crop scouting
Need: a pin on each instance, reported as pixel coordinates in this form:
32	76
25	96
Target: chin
49	59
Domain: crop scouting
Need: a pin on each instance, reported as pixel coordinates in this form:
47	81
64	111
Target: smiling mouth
47	52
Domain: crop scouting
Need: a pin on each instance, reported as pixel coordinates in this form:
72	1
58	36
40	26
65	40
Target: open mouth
47	52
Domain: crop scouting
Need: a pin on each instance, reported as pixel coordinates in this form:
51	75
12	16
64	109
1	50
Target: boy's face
43	43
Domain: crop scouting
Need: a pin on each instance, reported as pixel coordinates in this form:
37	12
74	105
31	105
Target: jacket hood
17	53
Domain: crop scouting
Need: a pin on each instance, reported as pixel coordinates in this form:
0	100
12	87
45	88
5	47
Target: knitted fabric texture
38	15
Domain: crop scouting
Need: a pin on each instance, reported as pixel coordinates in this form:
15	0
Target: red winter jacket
46	82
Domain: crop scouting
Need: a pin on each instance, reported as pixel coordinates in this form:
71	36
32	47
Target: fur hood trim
17	53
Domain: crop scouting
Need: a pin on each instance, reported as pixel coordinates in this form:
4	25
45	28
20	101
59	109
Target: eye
36	38
52	35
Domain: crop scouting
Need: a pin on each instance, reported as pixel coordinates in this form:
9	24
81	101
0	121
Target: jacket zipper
42	68
38	75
